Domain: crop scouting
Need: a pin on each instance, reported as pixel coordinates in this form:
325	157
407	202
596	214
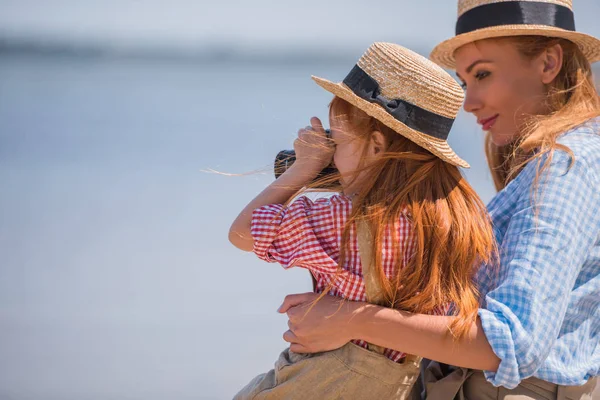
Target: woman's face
502	87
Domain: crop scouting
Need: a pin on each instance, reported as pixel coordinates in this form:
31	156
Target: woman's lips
487	123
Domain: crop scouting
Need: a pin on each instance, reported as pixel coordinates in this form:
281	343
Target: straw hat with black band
483	19
406	92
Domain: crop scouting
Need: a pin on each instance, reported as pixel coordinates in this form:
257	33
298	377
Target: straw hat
406	92
482	19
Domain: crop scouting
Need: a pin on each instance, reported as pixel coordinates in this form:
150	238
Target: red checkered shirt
308	234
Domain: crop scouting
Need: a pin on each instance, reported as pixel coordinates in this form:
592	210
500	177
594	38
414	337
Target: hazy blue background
116	277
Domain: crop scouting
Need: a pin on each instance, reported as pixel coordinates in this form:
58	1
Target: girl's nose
473	102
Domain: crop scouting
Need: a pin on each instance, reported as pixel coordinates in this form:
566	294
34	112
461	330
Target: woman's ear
378	143
552	60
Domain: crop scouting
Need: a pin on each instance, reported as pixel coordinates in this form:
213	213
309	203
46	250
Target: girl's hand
327	326
314	151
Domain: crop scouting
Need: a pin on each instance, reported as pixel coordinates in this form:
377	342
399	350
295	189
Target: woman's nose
473	102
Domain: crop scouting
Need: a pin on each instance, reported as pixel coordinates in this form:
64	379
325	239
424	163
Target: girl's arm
278	192
551	230
333	322
313	153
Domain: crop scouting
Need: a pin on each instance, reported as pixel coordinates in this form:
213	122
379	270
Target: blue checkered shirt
541	307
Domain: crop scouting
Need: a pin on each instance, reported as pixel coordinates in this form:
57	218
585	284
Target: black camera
285	159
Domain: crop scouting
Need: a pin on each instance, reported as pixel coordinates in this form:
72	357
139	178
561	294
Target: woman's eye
481	75
478	76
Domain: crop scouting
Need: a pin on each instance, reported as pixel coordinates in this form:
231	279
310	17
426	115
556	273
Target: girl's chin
349	191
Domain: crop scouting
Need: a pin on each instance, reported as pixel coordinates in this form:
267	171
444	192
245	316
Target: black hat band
415	117
516	13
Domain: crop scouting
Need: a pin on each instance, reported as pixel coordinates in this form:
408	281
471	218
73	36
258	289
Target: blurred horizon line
213	52
216	51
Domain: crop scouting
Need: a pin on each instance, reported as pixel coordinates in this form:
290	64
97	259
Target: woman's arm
549	234
332	322
313	154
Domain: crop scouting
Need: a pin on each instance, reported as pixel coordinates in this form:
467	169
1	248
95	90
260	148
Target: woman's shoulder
578	161
584	142
579	158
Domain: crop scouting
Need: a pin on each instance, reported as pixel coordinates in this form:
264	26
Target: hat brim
443	53
436	146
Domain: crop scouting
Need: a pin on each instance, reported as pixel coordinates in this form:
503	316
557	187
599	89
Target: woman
528	81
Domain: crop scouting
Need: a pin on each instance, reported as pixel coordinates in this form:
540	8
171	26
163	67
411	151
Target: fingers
308	134
305	133
298	348
293	300
316	124
293	340
290	337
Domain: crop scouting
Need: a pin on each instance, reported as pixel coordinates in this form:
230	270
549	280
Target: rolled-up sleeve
551	230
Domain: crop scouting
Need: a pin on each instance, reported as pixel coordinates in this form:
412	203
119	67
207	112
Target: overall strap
373	289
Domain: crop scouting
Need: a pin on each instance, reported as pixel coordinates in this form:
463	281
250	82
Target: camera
285	159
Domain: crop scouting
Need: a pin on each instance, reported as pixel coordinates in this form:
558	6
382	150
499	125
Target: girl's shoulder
334	201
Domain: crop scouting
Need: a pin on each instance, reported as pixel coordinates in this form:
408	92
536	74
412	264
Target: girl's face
502	87
349	149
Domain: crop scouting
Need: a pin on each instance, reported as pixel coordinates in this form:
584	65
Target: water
116	277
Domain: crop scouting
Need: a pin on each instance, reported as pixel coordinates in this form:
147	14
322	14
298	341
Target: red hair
450	225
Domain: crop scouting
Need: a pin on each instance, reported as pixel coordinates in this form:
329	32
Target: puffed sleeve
302	234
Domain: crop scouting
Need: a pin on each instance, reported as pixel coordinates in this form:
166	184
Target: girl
528	81
403	200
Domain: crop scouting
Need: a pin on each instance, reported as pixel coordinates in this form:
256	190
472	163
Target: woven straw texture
406	75
466	5
443	54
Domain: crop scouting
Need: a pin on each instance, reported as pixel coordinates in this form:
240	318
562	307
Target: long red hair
450	226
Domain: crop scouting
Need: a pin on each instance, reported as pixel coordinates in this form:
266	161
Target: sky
259	24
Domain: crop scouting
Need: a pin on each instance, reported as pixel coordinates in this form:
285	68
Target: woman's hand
314	150
332	322
325	326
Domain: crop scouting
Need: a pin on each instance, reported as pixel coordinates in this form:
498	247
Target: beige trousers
467	384
350	372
